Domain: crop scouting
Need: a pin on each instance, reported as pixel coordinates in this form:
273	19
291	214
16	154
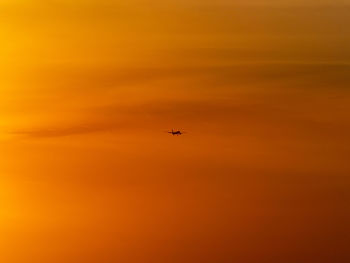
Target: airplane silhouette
176	132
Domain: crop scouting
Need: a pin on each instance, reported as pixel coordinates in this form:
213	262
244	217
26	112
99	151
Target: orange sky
88	89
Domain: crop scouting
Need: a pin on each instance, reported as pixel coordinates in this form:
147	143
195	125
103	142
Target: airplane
176	132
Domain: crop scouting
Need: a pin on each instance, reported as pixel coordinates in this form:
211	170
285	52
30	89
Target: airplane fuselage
176	133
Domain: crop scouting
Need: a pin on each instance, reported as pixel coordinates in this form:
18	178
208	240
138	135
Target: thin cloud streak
222	116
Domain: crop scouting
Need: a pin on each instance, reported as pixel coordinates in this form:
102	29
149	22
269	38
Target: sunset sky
88	89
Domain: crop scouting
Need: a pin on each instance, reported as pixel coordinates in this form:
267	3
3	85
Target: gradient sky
88	89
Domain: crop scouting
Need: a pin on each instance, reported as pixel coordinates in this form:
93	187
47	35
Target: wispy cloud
253	118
